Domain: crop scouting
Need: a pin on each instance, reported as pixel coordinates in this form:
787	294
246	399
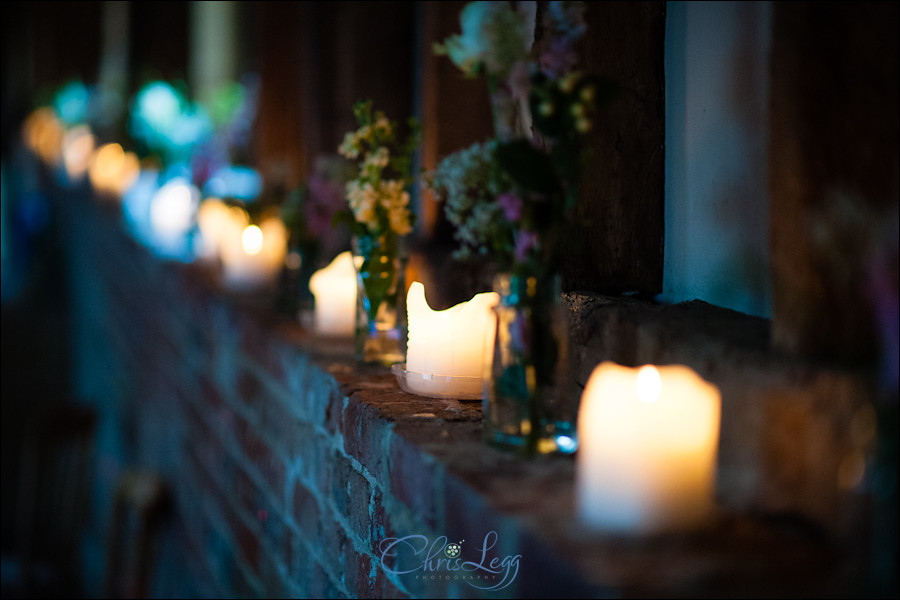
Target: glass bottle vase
530	401
380	332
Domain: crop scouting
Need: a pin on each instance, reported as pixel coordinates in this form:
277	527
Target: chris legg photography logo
444	560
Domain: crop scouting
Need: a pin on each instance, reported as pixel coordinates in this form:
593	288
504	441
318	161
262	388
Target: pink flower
526	241
557	57
325	198
511	205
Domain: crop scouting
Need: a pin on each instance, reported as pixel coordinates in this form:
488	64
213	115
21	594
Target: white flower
378	159
363	200
400	221
349	146
383	125
493	34
395	201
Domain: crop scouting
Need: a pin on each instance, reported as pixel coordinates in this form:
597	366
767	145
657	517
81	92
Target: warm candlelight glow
43	133
648	446
77	150
172	209
213	220
448	343
334	289
252	255
113	170
252	240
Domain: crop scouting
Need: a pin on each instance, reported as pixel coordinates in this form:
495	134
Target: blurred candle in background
172	213
252	255
112	170
77	150
43	133
334	289
214	218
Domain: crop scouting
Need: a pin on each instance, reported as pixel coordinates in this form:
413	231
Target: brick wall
289	465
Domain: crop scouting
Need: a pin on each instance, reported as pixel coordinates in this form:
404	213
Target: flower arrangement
379	216
378	196
510	198
308	210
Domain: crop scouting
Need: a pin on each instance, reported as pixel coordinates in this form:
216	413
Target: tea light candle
334	289
448	343
252	255
648	446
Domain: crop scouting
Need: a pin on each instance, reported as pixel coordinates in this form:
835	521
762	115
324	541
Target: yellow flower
383	124
567	83
587	94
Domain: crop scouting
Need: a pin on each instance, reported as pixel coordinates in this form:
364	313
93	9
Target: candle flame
649	384
252	240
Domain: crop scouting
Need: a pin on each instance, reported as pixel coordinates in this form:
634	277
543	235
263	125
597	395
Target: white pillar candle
77	150
252	255
648	440
214	218
452	343
173	211
334	289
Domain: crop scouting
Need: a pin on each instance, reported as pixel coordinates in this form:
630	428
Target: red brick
334	412
358	514
306	512
339	492
246	494
333	545
249	388
273	472
380	526
209	393
248	543
364	435
411	476
245	440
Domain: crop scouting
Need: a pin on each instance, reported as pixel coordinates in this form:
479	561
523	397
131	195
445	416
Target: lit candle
252	255
334	289
113	170
173	210
648	444
214	218
447	349
44	132
77	150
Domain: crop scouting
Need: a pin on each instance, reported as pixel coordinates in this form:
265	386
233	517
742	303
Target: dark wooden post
621	205
833	170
